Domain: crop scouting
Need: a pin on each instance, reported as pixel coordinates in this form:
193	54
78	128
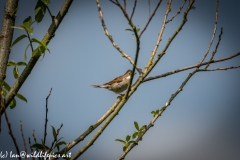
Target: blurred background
202	123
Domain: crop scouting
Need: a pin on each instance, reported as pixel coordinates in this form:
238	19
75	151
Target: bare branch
215	51
135	4
179	11
150	18
113	2
29	141
159	37
46	119
24	141
111	39
10	129
189	67
213	36
219	69
160	55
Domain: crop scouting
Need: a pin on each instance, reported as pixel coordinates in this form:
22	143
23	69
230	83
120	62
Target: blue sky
203	122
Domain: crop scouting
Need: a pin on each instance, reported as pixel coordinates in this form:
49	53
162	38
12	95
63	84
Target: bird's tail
96	85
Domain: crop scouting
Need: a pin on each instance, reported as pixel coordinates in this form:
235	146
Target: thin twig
213	36
29	141
10	129
215	51
189	67
179	11
111	39
46	119
24	141
52	16
150	18
219	69
150	62
125	5
113	2
133	10
163	52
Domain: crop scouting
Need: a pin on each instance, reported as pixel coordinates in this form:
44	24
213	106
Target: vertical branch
159	37
46	119
213	36
135	61
215	51
150	17
24	141
6	34
135	3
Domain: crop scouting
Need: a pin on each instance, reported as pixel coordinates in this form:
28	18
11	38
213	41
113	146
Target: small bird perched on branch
117	85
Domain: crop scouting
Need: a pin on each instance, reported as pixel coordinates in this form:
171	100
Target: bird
117	85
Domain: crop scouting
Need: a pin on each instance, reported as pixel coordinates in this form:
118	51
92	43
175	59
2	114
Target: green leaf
138	29
128	138
21	64
12	104
6	86
15	72
60	143
11	63
119	140
18	39
40	43
136	125
4	92
25	53
134	135
39	146
54	132
128	29
21	97
27	23
18	27
40	11
124	148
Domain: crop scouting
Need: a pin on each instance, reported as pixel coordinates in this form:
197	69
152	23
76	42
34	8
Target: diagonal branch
160	55
111	39
215	51
150	62
179	11
219	69
47	38
189	67
10	129
135	4
150	18
213	36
